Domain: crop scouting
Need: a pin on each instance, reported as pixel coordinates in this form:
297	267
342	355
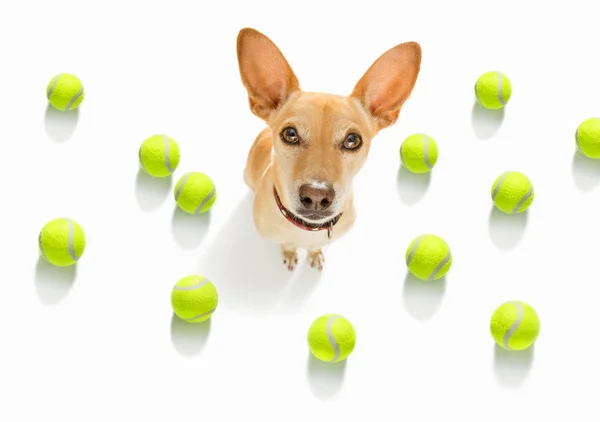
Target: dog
302	165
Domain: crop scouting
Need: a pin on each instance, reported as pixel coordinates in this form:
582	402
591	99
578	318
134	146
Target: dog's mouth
302	223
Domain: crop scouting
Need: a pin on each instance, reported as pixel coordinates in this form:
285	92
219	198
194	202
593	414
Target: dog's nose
316	197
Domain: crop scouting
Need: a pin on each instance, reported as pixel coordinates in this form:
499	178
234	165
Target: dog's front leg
316	258
290	255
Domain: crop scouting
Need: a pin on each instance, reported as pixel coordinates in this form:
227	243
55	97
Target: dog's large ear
388	83
265	73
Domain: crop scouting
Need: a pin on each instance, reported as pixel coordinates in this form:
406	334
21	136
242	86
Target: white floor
98	342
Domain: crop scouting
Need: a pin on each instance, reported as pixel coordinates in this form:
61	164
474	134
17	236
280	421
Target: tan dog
302	165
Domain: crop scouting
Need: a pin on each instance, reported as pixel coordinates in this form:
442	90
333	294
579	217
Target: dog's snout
316	197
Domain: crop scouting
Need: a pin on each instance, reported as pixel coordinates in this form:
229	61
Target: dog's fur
317	158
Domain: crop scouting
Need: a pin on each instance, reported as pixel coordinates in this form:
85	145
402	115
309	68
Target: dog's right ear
265	73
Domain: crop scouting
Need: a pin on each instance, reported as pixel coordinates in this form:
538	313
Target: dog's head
321	141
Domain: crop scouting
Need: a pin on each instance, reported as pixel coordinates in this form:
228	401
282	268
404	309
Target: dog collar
299	222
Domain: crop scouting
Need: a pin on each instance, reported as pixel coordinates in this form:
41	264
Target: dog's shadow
247	270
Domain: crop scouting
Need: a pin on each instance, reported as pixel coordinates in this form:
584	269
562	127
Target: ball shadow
411	187
60	125
53	283
189	230
586	172
506	230
486	122
512	367
325	378
189	339
247	269
422	299
150	191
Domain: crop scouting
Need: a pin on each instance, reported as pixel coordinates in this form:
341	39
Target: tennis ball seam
440	265
70	240
331	338
199	282
426	145
75	97
515	326
500	97
167	151
203	202
494	97
159	155
425	154
194	287
523	199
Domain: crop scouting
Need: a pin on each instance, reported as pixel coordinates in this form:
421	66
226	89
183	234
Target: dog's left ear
388	83
265	73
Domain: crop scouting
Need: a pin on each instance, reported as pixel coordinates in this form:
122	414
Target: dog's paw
316	259
290	258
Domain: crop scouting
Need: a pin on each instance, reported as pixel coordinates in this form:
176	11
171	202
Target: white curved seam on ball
141	161
412	252
334	345
515	325
185	177
440	265
205	200
55	81
500	89
201	315
74	99
193	286
167	161
42	246
71	246
502	176
523	199
426	154
476	94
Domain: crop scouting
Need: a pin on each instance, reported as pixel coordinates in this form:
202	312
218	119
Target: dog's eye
290	136
352	142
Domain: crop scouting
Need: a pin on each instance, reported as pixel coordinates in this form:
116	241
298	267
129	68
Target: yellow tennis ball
65	92
515	325
493	90
194	298
587	138
428	257
195	193
61	242
331	338
419	153
512	192
159	156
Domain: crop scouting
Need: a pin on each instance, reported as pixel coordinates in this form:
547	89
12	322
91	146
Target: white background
98	342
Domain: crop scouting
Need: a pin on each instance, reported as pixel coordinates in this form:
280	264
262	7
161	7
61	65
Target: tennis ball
159	156
493	90
428	257
587	138
65	92
61	242
512	192
194	298
419	153
515	325
195	193
331	338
